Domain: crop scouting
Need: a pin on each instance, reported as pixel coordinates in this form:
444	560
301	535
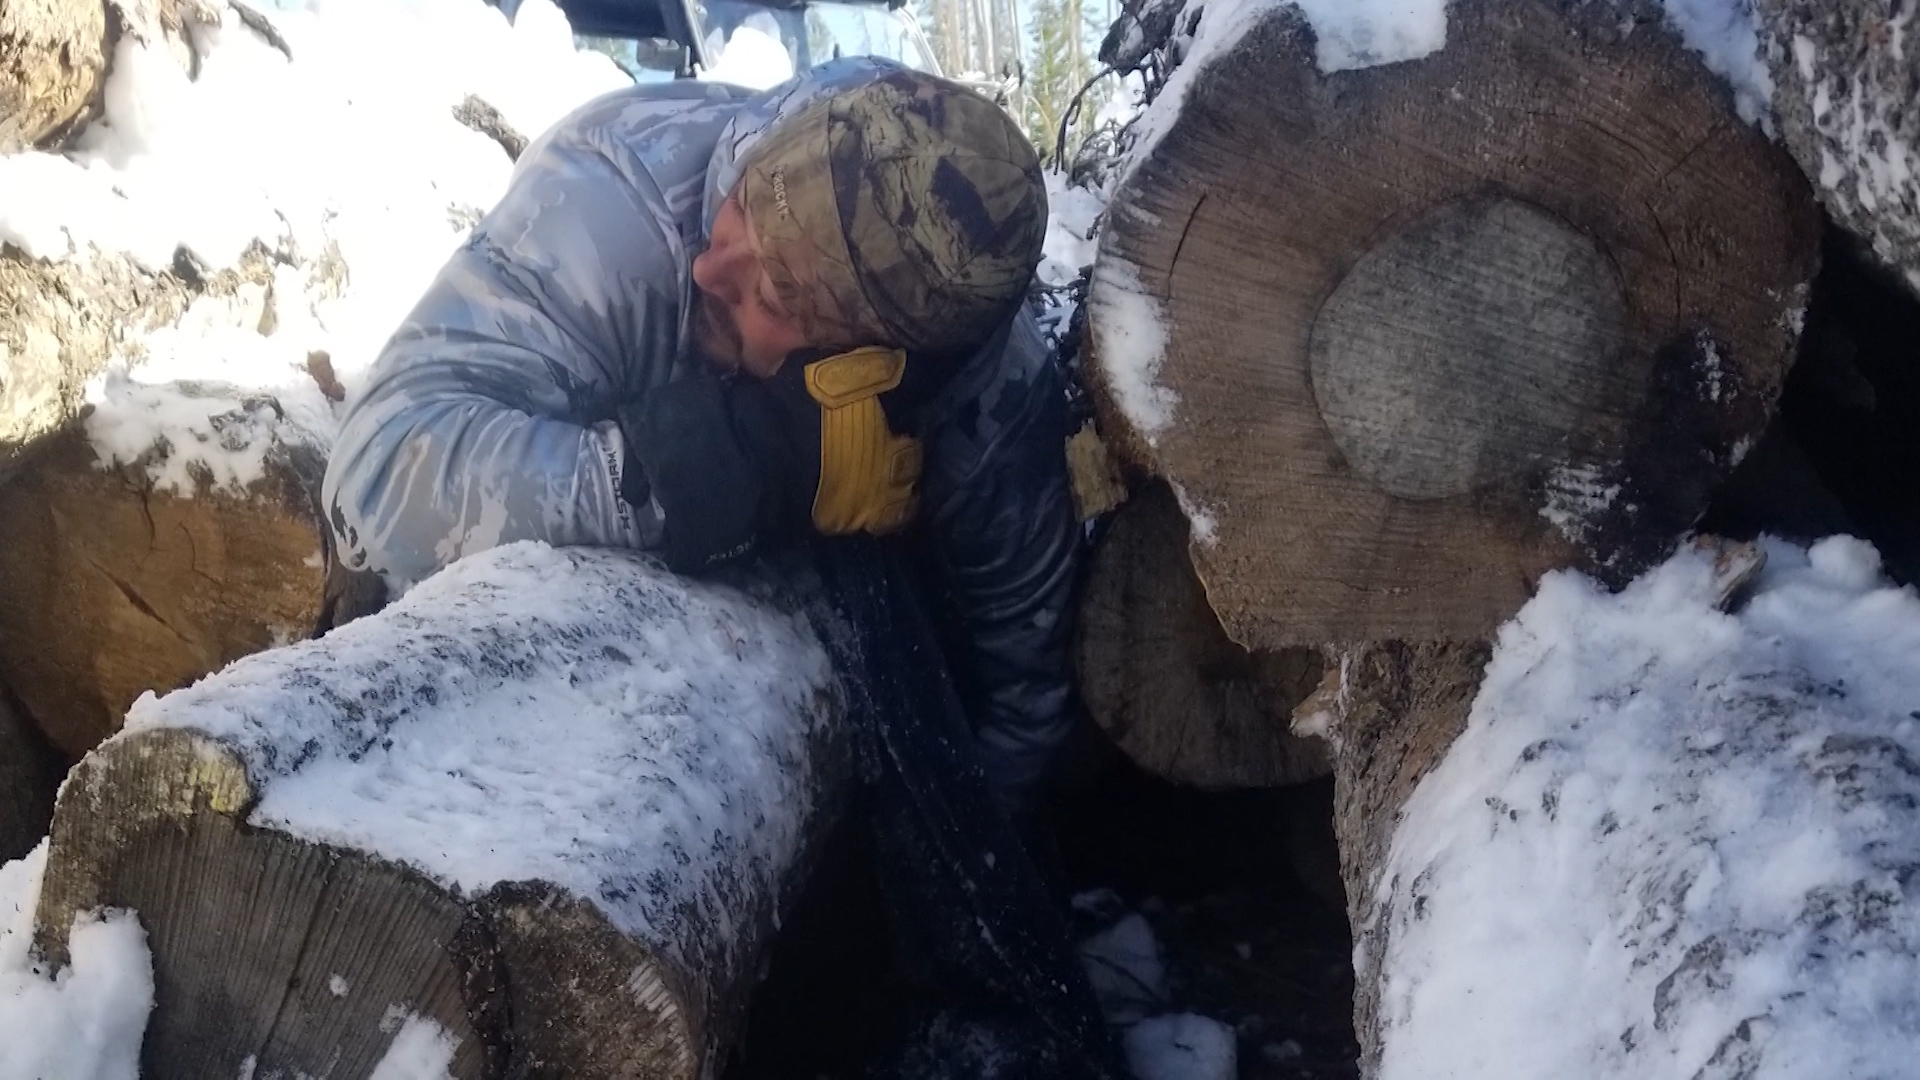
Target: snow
1181	1046
1353	34
753	58
1356	34
1128	974
1130	342
1202	525
1726	34
575	716
1073	216
1128	971
86	1023
421	1049
344	165
1222	25
1672	842
1575	495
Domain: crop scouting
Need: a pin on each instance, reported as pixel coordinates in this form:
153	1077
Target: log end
1409	340
1163	679
303	958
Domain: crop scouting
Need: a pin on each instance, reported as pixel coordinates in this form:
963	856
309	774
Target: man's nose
721	271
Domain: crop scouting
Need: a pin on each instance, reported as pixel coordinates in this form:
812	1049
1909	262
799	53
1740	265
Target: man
655	341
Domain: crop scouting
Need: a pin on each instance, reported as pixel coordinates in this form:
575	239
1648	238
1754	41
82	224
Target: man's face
739	319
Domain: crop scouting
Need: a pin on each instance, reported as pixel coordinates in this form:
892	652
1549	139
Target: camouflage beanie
907	211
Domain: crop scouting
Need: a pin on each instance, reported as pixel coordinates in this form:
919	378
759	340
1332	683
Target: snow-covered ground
86	1025
1129	975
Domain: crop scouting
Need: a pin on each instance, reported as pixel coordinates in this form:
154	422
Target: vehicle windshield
807	35
643	59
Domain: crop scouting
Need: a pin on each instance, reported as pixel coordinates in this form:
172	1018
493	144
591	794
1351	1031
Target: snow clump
85	1023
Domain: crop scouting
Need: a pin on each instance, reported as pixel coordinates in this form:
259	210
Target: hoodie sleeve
1006	539
488	417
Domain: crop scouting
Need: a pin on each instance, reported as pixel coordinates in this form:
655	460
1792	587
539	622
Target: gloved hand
733	465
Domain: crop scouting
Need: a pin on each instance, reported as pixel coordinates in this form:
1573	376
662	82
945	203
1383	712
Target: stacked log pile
1399	340
118	583
1418	333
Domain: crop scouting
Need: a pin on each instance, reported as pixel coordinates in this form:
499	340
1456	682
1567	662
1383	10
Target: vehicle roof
649	18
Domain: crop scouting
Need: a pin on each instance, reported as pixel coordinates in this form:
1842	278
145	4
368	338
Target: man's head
907	212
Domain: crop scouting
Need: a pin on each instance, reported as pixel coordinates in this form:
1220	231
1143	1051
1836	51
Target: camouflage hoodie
488	417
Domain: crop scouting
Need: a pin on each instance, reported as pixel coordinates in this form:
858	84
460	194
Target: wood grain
1165	682
1634	256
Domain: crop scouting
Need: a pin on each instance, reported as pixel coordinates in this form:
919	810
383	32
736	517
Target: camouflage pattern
489	417
907	212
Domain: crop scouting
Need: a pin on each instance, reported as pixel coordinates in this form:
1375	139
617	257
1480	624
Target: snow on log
1671	841
1165	682
53	57
1404	337
63	321
1846	80
542	813
118	583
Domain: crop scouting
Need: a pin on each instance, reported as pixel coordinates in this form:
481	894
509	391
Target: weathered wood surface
553	802
1846	91
1436	327
1165	682
115	588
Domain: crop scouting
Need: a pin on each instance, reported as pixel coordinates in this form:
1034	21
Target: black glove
724	468
733	464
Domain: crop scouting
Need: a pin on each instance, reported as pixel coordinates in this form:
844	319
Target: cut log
1846	80
1407	336
30	774
1165	682
115	588
1590	881
53	58
61	322
1393	711
552	802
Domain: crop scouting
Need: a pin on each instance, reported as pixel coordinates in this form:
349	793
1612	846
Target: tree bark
115	589
1398	709
1165	682
275	947
1845	74
1433	328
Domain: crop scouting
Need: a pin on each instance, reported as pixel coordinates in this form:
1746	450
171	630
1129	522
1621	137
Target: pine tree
1059	64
